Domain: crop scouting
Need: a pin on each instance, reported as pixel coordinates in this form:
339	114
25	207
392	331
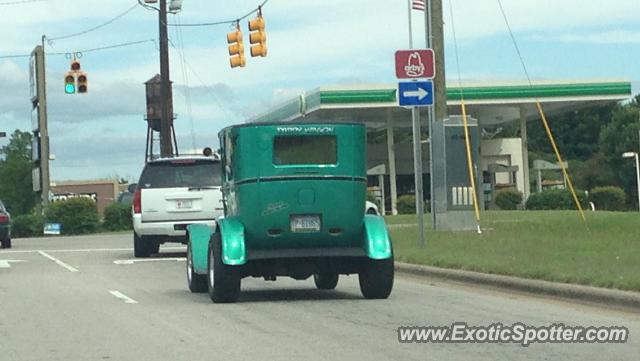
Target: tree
620	136
16	186
576	133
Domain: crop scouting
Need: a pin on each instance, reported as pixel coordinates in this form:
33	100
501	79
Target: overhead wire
107	47
205	86
187	89
50	39
20	2
467	142
223	22
543	117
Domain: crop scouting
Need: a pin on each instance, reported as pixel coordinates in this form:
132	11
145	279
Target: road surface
87	298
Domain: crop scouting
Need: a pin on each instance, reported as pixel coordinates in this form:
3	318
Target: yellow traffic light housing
236	48
82	83
70	83
258	36
75	81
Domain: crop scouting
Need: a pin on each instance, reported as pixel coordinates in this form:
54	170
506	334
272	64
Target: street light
635	156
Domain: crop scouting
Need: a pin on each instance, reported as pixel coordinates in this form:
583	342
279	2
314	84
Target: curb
601	296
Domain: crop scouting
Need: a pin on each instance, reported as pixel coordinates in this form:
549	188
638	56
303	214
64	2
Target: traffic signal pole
166	148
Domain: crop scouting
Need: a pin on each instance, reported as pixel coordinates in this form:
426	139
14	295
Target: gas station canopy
490	104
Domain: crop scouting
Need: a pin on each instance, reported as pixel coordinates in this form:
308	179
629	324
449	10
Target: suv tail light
4	218
137	201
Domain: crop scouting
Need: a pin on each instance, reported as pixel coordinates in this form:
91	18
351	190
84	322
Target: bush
555	199
27	225
406	204
77	215
117	217
508	198
608	198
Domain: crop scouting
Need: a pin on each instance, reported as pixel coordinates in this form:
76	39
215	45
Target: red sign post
412	64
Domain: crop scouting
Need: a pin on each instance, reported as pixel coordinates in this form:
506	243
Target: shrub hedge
27	225
608	198
117	217
77	215
508	198
555	199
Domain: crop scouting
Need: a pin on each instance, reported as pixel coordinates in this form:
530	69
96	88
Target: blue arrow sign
415	93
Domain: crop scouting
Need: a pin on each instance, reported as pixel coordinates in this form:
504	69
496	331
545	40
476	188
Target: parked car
5	227
171	194
293	196
371	208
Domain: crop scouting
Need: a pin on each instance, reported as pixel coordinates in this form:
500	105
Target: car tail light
137	201
4	218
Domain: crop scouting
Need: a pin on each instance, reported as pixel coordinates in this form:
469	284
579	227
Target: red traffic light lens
75	65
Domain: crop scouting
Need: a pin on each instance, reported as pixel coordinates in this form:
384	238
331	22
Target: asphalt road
82	298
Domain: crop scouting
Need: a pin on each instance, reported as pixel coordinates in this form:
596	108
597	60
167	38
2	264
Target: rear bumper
173	229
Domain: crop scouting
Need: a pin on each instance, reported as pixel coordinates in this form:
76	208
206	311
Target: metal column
525	153
392	165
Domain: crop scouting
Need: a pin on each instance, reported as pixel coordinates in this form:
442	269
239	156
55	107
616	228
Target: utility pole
436	39
166	118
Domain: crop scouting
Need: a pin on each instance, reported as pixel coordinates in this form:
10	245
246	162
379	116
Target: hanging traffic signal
70	83
236	48
258	37
82	83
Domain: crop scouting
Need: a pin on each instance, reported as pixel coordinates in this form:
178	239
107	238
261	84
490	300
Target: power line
223	22
107	47
95	27
20	2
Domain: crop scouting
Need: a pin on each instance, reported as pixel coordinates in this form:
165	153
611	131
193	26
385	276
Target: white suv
171	194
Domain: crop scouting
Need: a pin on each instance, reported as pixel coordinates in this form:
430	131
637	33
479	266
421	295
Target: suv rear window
305	149
181	173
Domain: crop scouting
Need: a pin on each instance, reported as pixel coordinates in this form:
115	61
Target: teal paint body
377	240
263	194
234	252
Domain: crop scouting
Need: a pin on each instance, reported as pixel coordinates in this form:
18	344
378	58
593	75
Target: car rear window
181	173
305	149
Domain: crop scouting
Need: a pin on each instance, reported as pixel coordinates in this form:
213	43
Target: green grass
548	245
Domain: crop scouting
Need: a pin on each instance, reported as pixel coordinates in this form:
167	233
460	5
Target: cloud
605	37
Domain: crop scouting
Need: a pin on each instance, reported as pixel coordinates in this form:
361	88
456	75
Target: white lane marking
132	261
6	263
123	297
59	262
184	248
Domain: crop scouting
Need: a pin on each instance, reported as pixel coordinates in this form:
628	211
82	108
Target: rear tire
376	279
154	248
326	280
140	247
197	283
223	281
6	243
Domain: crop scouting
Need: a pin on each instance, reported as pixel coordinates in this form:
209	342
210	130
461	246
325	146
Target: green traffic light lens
69	88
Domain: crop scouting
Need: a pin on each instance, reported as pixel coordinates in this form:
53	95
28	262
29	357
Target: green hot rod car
294	200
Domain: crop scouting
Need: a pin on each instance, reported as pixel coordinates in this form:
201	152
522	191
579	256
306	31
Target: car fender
234	252
199	235
377	242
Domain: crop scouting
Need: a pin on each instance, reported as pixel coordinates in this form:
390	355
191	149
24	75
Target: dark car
5	227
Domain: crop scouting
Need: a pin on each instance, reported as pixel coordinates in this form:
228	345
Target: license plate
309	223
184	204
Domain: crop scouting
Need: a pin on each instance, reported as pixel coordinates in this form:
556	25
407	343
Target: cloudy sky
312	43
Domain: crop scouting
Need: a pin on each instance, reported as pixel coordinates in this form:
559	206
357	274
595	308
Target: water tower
154	118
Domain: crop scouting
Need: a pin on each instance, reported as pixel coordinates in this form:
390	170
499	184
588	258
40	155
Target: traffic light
236	48
75	81
258	37
82	83
70	83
